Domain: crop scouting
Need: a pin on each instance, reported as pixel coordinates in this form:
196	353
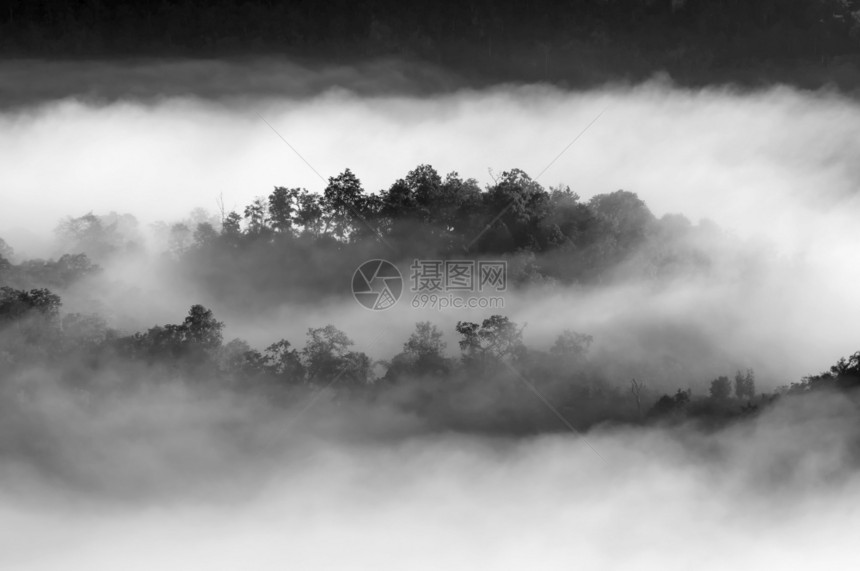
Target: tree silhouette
326	357
200	328
673	406
515	207
344	205
204	235
98	237
283	362
196	340
495	339
282	207
745	384
19	304
721	388
257	215
571	343
423	354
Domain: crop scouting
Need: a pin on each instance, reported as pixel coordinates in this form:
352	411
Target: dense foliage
297	245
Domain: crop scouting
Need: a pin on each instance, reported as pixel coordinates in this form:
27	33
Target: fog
777	167
777	163
169	478
197	484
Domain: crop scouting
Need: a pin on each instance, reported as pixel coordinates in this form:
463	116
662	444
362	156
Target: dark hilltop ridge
805	43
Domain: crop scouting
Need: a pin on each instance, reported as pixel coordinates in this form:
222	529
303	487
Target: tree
426	340
496	338
847	371
356	368
179	239
232	225
566	218
424	351
283	361
282	205
423	354
308	215
721	388
31	320
60	273
72	267
421	207
91	234
257	215
343	205
204	234
236	358
515	205
399	203
502	337
19	304
462	205
201	329
197	339
844	375
745	384
627	216
426	190
470	344
671	406
571	343
324	352
326	358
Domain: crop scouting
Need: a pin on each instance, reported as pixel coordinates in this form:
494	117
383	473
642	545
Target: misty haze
383	286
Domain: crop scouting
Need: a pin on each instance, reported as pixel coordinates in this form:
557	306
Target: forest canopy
548	235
